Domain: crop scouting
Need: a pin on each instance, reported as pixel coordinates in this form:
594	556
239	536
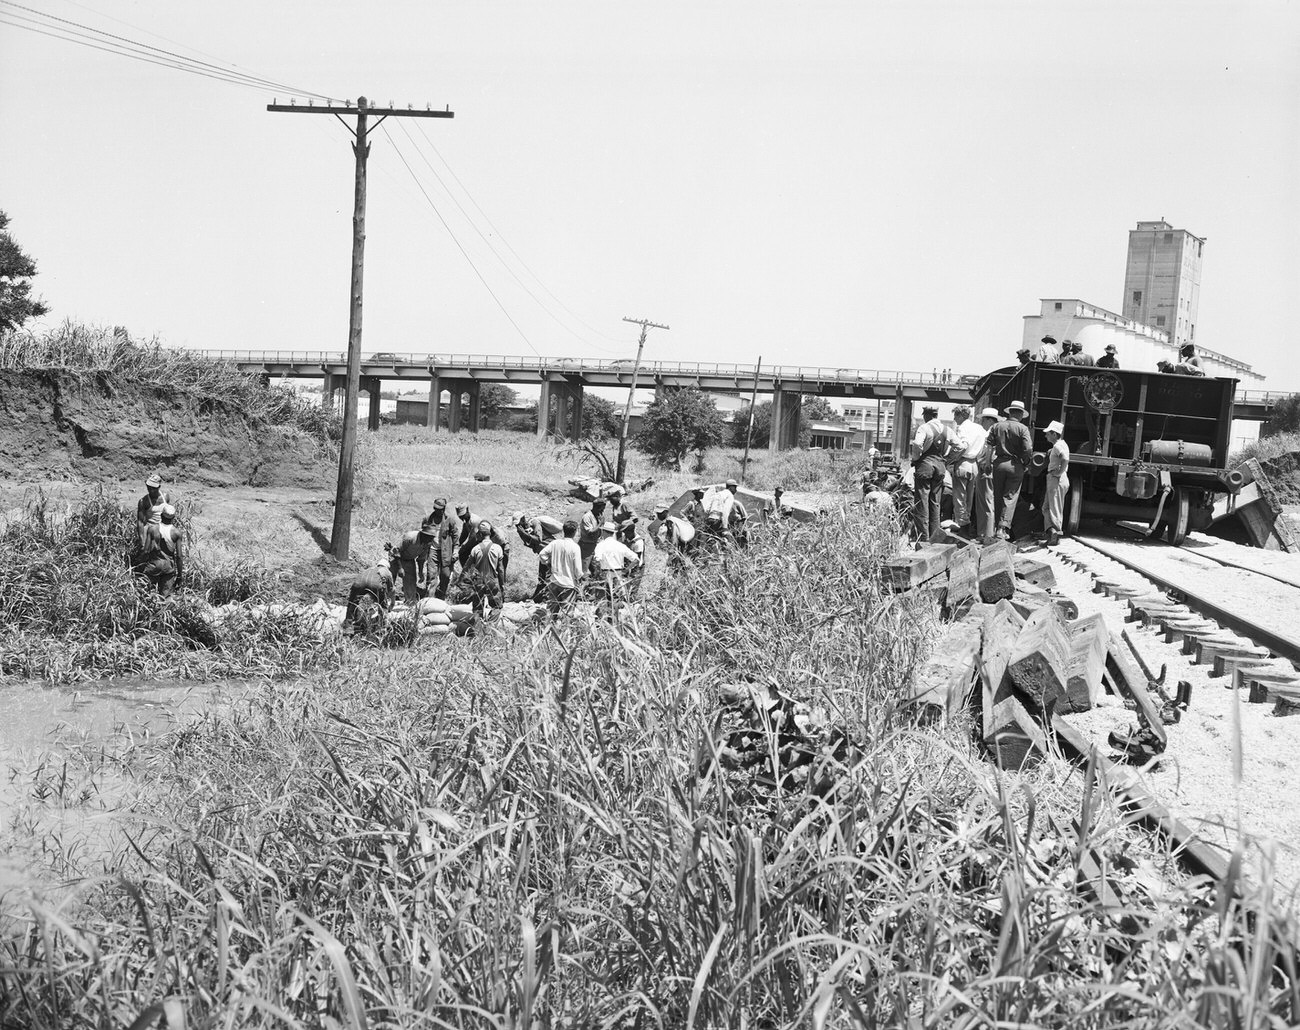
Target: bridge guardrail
523	363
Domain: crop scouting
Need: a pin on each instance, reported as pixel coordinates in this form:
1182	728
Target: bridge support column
433	414
327	388
454	409
475	405
902	425
575	427
372	412
544	409
784	433
661	391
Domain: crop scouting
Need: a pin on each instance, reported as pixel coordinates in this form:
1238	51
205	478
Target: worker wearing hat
376	583
1013	448
160	555
931	447
982	501
444	551
469	539
1058	481
1047	350
487	567
411	559
536	532
631	539
149	511
611	560
694	510
589	530
618	511
1108	359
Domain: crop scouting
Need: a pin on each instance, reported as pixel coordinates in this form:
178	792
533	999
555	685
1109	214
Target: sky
845	184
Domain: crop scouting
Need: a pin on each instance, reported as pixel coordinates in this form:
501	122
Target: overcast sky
876	185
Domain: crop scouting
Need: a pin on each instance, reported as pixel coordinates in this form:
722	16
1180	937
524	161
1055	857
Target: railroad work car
1149	447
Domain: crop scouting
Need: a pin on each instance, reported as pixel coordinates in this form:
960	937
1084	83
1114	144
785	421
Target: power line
452	172
464	253
97	39
488	243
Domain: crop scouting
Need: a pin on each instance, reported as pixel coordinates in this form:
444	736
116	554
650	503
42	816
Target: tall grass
534	832
70	607
84	350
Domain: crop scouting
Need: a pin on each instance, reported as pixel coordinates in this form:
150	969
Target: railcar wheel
1176	527
1075	509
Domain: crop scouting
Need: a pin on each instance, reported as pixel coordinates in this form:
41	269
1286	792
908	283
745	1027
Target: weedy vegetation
534	830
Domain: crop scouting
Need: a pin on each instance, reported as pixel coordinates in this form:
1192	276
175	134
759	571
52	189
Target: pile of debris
1017	652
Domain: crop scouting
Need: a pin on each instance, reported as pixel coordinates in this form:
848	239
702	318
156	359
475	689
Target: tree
810	409
600	418
492	397
16	271
523	422
681	422
1284	418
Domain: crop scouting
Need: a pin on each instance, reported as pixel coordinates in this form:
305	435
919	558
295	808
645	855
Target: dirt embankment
60	425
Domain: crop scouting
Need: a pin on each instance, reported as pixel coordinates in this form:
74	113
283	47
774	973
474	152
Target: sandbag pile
436	618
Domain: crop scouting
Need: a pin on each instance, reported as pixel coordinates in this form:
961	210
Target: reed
530	830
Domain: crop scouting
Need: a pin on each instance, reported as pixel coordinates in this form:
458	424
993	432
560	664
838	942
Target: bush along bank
71	608
79	401
542	836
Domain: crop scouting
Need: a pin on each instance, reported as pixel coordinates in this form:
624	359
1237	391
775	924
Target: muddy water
47	805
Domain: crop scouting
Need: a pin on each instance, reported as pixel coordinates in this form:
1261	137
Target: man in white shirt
970	436
562	560
1058	482
611	559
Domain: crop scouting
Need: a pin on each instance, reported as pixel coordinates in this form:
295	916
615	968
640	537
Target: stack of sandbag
433	618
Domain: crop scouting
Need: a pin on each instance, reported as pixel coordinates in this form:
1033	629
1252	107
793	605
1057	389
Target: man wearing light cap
983	494
1013	448
149	511
619	512
610	560
970	435
161	552
469	539
931	446
589	531
487	566
694	510
448	540
1058	482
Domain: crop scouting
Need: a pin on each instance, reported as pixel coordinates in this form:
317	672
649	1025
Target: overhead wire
88	36
495	253
464	253
452	172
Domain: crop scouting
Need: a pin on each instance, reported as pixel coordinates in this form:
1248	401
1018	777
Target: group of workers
987	461
1070	352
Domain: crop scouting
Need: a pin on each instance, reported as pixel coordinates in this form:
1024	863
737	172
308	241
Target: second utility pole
339	538
631	390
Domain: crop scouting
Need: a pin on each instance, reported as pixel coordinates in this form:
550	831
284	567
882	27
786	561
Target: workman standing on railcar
1082	358
1108	360
930	449
1048	351
1058	482
1013	448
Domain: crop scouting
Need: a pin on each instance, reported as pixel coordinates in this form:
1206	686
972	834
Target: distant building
1162	279
1139	346
829	436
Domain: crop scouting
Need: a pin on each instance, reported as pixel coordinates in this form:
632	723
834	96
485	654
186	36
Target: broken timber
942	686
1089	638
997	574
912	568
1012	735
1040	659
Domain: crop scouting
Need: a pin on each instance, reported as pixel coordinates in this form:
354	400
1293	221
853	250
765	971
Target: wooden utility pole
749	430
631	390
339	538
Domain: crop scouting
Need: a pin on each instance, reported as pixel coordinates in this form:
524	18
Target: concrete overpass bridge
561	382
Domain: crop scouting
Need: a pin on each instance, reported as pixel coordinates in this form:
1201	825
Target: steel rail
1285	646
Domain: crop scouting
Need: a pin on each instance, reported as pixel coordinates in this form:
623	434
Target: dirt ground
1196	778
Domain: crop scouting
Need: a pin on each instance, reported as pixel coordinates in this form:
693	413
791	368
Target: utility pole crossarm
404	112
